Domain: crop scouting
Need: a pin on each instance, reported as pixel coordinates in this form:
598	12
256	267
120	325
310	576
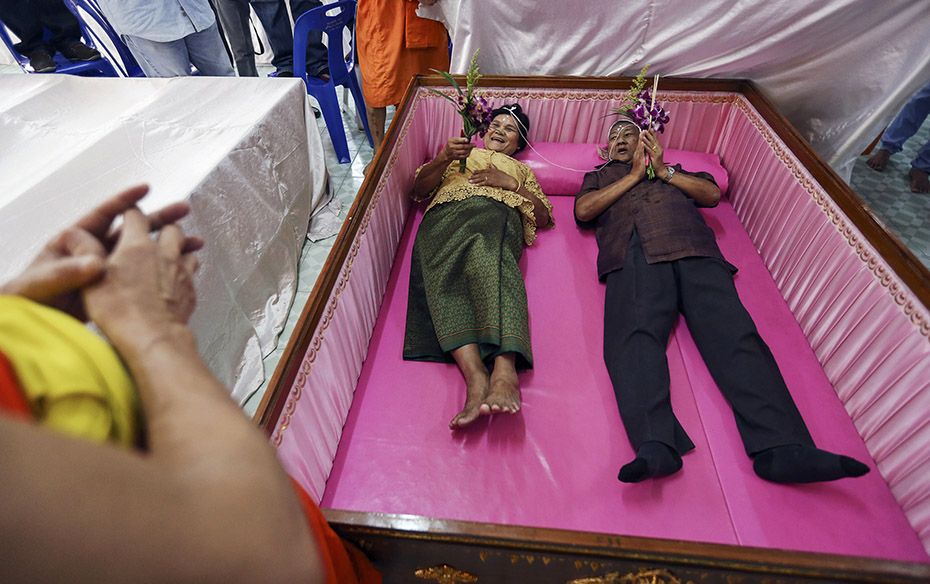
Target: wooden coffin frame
413	548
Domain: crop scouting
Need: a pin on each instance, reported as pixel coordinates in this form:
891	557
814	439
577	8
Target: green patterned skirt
466	285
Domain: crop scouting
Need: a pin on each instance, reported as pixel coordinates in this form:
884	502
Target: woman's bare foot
879	160
504	394
476	388
919	181
477	382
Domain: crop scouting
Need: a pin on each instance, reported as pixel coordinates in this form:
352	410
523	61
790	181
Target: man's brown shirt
668	221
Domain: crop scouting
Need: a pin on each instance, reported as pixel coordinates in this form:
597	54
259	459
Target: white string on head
521	128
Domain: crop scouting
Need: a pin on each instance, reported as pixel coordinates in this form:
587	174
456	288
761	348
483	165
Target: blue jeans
277	25
906	124
204	49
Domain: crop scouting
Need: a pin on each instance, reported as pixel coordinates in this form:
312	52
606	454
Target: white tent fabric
839	70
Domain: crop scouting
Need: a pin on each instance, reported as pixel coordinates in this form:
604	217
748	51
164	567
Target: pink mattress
555	464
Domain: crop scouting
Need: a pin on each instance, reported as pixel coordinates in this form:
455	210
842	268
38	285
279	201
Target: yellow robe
73	381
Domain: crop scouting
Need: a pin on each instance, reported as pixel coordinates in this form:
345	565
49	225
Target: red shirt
12	401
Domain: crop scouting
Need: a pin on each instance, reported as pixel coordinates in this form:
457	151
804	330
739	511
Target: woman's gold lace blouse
455	187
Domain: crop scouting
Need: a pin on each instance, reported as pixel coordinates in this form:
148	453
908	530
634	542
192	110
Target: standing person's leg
743	367
208	54
904	125
376	119
234	16
382	59
21	17
156	59
317	61
920	169
640	309
273	16
65	30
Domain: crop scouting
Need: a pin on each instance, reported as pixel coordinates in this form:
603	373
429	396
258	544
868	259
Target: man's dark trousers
28	18
641	308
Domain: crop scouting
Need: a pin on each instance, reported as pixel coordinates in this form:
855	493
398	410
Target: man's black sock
795	463
653	460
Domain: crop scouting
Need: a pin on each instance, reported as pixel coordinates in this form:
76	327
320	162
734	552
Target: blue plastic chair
96	68
109	42
341	69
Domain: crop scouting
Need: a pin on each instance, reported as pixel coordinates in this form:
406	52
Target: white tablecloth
245	153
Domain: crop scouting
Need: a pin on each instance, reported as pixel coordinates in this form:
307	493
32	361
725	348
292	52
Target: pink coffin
363	430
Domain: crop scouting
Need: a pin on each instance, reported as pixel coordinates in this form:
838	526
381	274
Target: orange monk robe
343	562
394	44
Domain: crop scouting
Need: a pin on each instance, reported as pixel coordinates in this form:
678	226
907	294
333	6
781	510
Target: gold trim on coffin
445	574
881	272
643	576
592	95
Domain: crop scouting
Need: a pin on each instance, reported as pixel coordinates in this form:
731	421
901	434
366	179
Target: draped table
245	153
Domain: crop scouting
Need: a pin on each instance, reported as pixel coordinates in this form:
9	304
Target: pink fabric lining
849	307
877	357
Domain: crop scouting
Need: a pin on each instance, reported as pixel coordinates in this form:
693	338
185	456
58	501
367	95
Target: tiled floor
345	180
888	194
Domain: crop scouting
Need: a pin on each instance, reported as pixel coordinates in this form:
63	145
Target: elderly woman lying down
467	301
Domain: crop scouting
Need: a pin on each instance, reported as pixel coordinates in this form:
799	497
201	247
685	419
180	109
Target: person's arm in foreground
207	502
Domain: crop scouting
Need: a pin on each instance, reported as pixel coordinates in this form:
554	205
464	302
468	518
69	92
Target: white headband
622	120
